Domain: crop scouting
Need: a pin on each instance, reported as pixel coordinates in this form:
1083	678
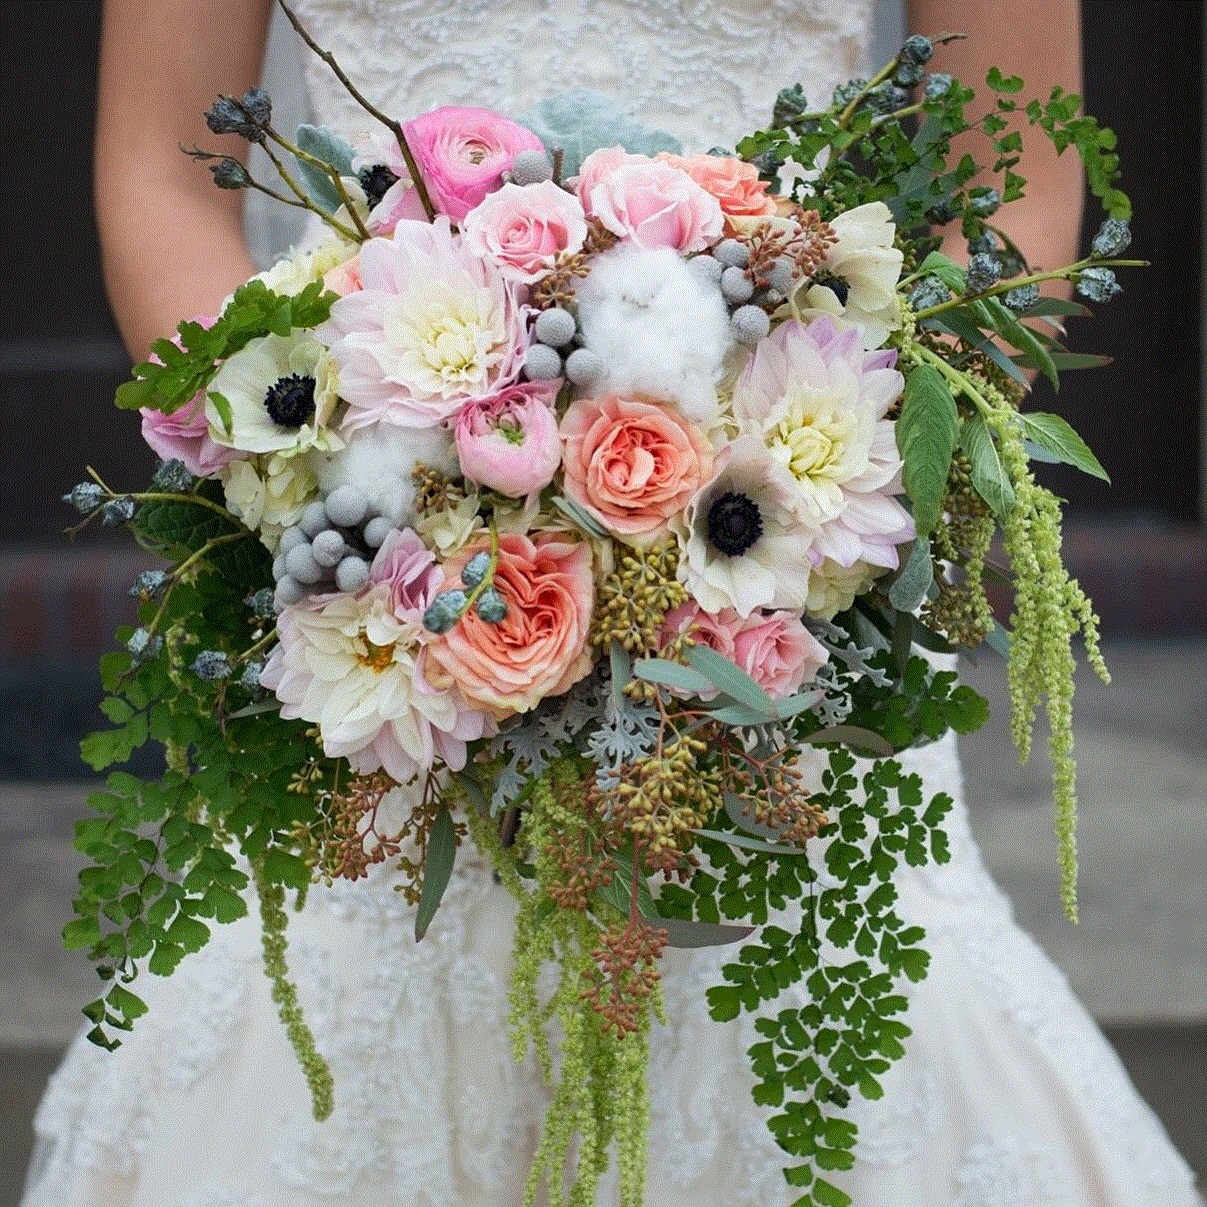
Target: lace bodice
706	71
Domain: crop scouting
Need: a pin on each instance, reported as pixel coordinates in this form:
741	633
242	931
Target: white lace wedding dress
1008	1097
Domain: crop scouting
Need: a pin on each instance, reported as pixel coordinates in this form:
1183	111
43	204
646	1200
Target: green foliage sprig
183	369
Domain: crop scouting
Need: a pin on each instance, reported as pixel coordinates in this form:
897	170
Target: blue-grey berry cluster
984	271
142	646
444	611
1098	284
117	511
1021	297
449	606
250	678
844	94
260	604
908	74
149	585
229	173
1114	237
985	202
212	666
172	476
247	116
938	84
887	98
929	291
330	548
917	49
85	497
726	266
983	243
554	332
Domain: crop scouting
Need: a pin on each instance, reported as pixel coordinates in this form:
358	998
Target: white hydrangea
661	329
379	461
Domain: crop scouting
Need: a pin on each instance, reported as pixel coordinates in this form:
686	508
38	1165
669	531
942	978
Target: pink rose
184	435
462	154
733	182
509	442
631	464
778	652
539	649
773	648
654	205
523	230
598	166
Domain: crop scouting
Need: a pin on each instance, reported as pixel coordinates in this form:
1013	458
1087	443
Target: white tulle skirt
1008	1097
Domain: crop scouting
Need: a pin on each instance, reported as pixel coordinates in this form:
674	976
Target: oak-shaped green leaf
927	430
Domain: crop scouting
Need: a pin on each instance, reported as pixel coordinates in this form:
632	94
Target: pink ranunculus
462	154
510	442
632	464
733	182
539	649
409	567
778	652
344	278
184	435
652	205
522	230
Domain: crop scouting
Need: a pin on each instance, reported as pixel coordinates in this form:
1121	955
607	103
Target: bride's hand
171	243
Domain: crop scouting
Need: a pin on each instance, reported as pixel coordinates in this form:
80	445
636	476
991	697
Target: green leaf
82	932
910	587
827	1195
1000	318
947	270
328	146
672	674
750	844
731	680
989	477
223	407
190	934
437	868
685	934
927	430
282	867
850	735
1069	360
1060	306
1051	432
1003	83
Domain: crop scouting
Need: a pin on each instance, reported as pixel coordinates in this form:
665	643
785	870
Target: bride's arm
172	243
1041	41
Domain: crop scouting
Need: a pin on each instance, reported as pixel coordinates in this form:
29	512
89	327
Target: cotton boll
378	461
660	329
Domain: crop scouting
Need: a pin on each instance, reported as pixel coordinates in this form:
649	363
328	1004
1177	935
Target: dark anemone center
290	400
837	285
377	182
734	523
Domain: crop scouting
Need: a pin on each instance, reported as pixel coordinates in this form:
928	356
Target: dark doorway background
60	359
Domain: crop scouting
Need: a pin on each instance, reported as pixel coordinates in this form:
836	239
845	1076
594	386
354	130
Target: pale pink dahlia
432	327
819	403
355	665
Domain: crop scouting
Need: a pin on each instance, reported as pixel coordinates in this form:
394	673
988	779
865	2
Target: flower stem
303	198
390	123
331	171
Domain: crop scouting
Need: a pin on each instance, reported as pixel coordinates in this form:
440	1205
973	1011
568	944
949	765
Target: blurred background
1139	958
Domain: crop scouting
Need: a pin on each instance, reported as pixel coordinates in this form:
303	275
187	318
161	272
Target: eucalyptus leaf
850	735
989	477
685	934
911	585
328	146
731	680
581	121
578	516
672	674
750	844
927	430
437	868
1051	432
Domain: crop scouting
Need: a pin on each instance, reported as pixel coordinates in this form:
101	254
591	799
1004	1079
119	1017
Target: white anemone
276	395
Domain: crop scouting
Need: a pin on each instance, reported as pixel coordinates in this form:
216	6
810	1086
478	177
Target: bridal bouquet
596	502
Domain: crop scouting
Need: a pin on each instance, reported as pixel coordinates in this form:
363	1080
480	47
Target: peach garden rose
733	182
539	648
632	464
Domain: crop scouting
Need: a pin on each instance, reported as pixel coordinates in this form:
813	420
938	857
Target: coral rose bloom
733	182
632	464
539	648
